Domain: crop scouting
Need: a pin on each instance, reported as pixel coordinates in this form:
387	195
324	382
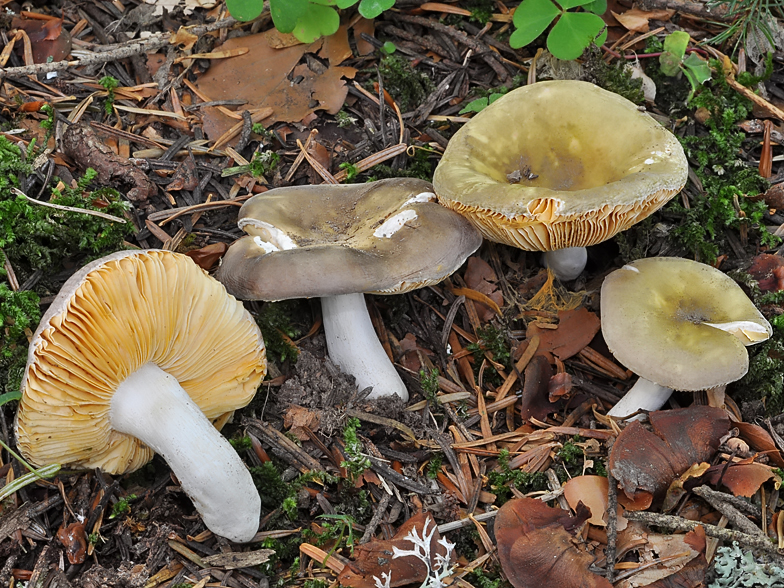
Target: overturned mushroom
336	242
679	325
143	352
557	166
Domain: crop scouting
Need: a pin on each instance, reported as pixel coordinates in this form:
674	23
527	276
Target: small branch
757	542
103	215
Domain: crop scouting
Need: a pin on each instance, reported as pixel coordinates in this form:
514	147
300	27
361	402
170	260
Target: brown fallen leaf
480	276
297	418
275	78
537	548
768	270
185	177
49	39
742	479
74	538
560	385
760	440
637	20
676	491
535	401
576	329
376	557
646	462
592	492
670	561
208	256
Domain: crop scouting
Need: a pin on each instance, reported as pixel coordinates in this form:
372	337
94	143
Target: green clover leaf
317	21
573	32
531	19
245	10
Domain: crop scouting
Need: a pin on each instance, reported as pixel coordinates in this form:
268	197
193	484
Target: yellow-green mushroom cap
559	164
384	237
679	323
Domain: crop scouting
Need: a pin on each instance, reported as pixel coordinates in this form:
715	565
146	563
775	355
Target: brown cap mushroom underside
159	308
679	323
559	164
382	237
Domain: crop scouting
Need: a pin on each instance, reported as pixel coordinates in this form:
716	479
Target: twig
113	52
758	542
103	215
370	529
612	531
718	501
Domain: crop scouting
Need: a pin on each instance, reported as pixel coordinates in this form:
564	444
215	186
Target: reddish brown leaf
208	256
768	270
536	549
375	558
592	492
760	440
480	276
560	385
742	479
534	401
575	330
74	539
185	176
643	461
48	38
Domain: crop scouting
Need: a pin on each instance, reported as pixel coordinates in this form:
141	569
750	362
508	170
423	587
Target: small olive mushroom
679	325
143	352
556	166
337	242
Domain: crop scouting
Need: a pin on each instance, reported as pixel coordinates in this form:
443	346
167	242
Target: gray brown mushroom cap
679	323
600	166
312	241
112	317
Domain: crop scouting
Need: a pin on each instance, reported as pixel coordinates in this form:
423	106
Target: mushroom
339	241
679	325
559	165
143	352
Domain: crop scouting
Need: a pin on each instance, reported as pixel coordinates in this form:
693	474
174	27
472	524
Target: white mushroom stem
152	406
353	345
644	395
567	263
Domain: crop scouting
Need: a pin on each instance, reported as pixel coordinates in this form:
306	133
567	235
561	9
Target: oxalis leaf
316	22
245	10
370	9
286	13
573	32
531	19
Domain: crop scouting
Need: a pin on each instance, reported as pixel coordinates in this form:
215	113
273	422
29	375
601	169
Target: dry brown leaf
760	440
480	276
375	558
637	20
48	38
364	25
768	270
536	546
270	77
560	385
668	554
185	38
592	492
742	479
297	418
644	461
535	400
676	490
575	330
208	256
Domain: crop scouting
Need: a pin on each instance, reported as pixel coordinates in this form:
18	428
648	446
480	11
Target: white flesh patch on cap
271	237
747	331
423	197
394	223
631	268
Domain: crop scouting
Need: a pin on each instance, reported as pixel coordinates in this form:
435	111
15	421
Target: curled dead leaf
74	539
208	256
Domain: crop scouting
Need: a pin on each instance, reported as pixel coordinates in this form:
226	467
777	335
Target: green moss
273	490
406	85
501	481
419	166
486	579
278	326
727	180
615	77
765	378
492	340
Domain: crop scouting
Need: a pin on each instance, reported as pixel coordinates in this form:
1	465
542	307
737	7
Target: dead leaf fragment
74	538
576	329
237	560
536	547
637	20
742	479
592	492
208	256
645	461
760	440
48	38
298	418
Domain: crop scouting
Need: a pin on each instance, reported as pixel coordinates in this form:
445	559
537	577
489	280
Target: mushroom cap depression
383	237
679	323
596	164
110	318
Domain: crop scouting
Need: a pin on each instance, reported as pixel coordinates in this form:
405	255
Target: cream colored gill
748	332
394	223
269	237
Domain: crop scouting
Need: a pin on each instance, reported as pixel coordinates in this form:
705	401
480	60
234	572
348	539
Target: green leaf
676	43
597	7
245	10
286	13
316	22
567	4
346	3
370	9
699	67
9	396
531	19
573	32
670	64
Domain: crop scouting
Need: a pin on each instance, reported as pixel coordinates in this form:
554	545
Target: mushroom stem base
644	395
151	405
567	263
354	346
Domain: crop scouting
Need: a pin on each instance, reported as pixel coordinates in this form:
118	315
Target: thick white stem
152	406
354	346
644	395
567	263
